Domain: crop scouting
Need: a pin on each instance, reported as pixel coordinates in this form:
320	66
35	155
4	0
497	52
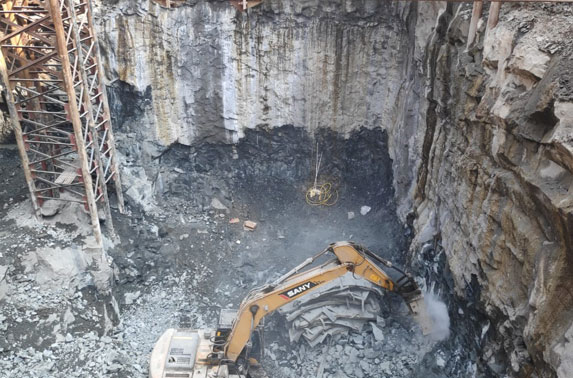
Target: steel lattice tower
49	63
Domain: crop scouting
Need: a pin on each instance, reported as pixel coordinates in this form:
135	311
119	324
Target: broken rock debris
218	205
365	210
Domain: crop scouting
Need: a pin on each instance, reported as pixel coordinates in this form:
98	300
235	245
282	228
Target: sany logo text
291	293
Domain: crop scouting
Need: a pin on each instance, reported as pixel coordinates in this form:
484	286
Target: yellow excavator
224	352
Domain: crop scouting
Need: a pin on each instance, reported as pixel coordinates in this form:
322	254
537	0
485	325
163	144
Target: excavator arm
208	353
291	286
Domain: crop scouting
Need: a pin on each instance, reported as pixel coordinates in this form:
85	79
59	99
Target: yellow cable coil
323	195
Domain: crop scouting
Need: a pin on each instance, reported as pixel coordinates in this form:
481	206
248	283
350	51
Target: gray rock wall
205	72
6	133
209	72
495	180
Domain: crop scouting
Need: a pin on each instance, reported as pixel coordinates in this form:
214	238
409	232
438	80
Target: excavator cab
253	350
186	353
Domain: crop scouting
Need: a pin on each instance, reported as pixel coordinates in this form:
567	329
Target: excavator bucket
402	283
417	307
410	291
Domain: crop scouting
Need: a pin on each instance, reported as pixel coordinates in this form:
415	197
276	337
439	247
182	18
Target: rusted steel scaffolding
49	63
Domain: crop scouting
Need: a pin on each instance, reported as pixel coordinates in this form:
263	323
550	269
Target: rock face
496	174
206	72
5	124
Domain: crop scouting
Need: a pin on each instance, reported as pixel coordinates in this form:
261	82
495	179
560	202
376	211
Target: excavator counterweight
225	352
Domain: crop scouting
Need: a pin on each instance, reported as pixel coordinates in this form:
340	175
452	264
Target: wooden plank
66	177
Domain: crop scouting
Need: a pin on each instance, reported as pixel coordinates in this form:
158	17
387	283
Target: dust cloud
439	317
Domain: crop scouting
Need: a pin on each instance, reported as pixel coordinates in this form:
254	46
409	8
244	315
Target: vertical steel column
63	40
81	59
493	17
476	14
18	133
102	100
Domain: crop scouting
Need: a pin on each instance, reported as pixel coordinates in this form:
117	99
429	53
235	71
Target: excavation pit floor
178	260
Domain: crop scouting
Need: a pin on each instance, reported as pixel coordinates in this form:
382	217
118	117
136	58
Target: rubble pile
348	328
336	308
82	349
389	345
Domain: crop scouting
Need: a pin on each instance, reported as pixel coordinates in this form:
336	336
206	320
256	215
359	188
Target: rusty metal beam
106	113
493	16
18	133
476	14
87	104
74	115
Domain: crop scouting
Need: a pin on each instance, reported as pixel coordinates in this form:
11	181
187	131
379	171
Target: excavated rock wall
495	178
206	72
6	134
